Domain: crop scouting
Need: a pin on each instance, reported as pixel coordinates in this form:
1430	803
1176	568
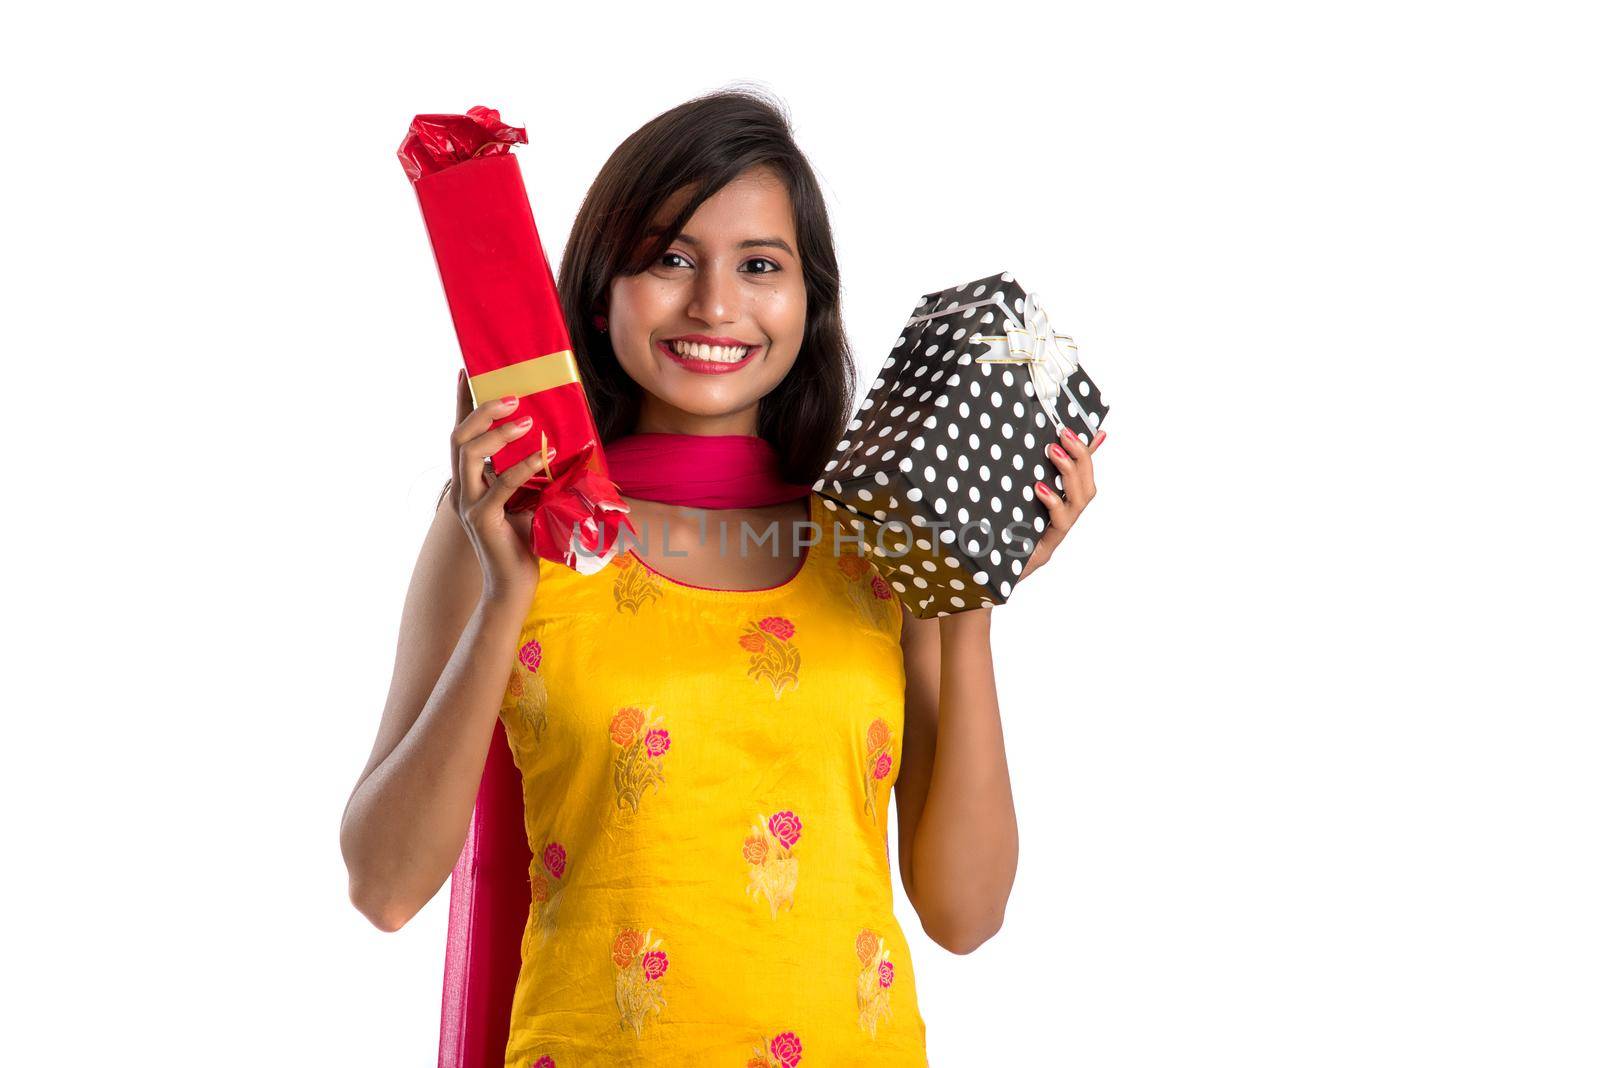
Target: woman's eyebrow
754	242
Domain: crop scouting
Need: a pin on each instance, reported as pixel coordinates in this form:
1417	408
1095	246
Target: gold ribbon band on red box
525	377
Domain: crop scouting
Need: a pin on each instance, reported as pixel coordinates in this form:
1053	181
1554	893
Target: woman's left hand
1075	461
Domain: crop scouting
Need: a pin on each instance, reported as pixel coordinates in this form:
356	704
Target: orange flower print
626	947
545	888
755	848
855	567
774	869
772	657
640	963
636	585
780	1051
625	726
880	763
526	698
877	734
641	743
866	589
873	982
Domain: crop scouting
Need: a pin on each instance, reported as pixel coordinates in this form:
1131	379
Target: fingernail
1042	490
526	420
508	402
1056	450
1100	437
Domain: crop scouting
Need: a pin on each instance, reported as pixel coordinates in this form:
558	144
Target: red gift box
514	341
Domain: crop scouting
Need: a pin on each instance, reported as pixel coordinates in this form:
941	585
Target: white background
1301	723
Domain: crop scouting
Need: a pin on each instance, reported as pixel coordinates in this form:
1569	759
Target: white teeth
714	353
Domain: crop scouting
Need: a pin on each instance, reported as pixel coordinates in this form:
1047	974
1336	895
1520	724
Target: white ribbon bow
1033	342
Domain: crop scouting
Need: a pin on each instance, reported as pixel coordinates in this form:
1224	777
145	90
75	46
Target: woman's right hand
501	540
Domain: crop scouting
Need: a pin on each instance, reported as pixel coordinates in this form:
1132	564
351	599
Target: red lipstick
707	367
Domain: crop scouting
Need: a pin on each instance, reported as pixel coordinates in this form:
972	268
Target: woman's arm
958	826
406	821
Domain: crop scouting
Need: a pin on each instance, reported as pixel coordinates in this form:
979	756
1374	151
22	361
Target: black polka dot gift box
936	470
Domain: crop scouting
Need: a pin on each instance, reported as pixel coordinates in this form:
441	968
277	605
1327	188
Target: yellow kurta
706	780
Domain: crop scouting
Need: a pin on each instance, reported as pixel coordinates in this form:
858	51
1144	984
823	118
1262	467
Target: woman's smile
708	355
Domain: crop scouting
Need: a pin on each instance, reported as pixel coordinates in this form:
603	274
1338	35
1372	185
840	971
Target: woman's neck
656	419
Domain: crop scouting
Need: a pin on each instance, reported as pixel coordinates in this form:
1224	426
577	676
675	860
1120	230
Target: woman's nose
715	299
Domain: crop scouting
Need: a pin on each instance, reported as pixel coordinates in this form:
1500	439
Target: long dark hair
701	145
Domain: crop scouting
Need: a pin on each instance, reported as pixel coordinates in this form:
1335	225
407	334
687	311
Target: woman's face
714	324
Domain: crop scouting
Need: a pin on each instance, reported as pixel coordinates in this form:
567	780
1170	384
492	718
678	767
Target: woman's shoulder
840	532
561	583
844	553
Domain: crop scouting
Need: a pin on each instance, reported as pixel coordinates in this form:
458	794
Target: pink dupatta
489	889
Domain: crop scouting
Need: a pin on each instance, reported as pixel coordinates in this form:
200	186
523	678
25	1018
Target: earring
600	323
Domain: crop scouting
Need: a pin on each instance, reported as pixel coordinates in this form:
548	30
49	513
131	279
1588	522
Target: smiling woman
679	853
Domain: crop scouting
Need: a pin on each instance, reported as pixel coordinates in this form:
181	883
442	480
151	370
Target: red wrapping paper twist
514	341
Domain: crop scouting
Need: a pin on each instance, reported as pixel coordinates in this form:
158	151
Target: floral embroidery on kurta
780	1051
866	589
526	691
640	856
636	585
774	869
642	743
546	1061
879	762
641	962
546	887
772	655
874	980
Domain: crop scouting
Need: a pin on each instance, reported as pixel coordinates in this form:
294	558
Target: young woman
705	731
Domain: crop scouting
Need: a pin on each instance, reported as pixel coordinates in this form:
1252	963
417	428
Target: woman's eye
770	263
671	256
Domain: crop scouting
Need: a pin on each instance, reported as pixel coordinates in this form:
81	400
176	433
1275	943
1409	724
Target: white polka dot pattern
936	470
